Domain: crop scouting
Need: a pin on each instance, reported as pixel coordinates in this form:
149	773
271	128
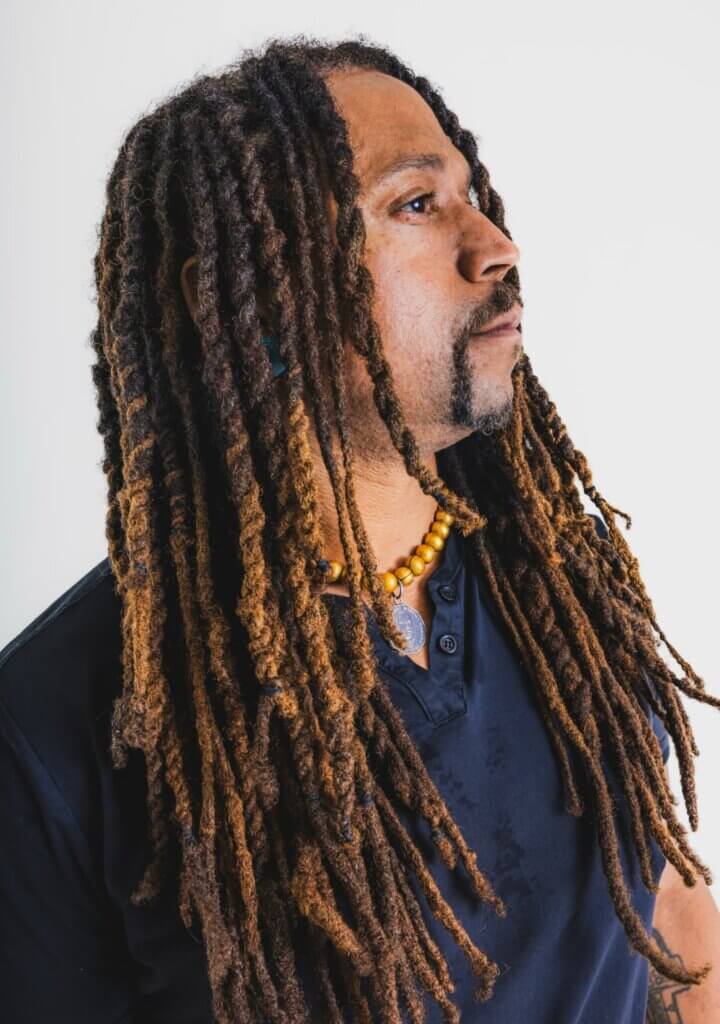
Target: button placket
440	691
445	694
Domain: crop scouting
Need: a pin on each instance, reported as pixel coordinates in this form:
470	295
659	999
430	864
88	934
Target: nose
486	253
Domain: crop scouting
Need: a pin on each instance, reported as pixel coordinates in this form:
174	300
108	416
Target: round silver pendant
410	624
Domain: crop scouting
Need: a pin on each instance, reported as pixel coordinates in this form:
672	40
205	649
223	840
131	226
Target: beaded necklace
407	620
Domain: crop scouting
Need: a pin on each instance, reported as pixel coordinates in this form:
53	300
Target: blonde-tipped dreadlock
275	764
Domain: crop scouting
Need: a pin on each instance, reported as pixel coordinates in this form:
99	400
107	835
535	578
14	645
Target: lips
508	321
500	332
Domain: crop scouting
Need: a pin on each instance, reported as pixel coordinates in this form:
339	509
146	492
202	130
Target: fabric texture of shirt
72	947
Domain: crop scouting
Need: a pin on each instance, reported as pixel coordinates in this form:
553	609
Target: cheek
412	310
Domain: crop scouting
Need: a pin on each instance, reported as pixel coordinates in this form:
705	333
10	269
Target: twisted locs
276	764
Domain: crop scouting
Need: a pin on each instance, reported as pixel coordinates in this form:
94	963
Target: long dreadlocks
274	763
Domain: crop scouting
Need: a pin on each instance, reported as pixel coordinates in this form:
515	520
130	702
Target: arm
686	925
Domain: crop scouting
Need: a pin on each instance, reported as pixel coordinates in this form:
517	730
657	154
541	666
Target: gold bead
434	540
405	574
416	565
390	582
426	552
441	528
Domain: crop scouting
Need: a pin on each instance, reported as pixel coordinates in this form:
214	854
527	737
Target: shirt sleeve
74	842
60	959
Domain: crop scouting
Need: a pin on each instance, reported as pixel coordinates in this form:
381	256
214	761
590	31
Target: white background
598	124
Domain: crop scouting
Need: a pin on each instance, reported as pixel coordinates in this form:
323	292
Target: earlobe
188	283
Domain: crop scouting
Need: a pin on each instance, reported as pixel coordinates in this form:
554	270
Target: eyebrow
412	160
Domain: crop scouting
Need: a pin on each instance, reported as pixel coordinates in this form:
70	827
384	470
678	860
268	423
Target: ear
188	283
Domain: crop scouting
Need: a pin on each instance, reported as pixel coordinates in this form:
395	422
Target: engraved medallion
409	623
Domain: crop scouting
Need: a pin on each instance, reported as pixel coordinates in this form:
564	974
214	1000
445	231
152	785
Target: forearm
686	925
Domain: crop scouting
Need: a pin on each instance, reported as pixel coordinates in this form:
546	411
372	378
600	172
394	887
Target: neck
395	511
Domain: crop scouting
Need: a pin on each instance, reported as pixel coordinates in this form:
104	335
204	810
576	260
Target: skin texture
686	925
436	264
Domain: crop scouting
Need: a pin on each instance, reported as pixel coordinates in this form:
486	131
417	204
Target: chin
497	414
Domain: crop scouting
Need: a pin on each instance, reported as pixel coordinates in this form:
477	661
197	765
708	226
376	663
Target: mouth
499	332
509	324
499	338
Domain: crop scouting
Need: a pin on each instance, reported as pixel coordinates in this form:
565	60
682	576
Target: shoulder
60	675
53	620
67	635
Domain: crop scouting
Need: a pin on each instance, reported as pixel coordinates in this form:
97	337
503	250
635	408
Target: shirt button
447	643
447	592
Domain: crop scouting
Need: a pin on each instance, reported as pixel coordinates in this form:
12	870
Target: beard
467	392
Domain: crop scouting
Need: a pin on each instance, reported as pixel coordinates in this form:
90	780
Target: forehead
386	120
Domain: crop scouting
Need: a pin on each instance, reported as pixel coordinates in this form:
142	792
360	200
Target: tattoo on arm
662	1005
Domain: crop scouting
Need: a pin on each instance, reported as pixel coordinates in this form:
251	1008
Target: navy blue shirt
72	948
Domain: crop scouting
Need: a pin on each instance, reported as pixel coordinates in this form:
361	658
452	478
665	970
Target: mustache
502	300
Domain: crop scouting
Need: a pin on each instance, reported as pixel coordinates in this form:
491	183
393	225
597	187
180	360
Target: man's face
437	263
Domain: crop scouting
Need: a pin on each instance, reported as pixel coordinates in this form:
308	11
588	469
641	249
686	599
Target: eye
425	196
418	199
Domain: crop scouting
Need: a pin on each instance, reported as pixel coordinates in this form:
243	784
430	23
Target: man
390	697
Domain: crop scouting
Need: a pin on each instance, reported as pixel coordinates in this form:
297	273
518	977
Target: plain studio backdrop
598	125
